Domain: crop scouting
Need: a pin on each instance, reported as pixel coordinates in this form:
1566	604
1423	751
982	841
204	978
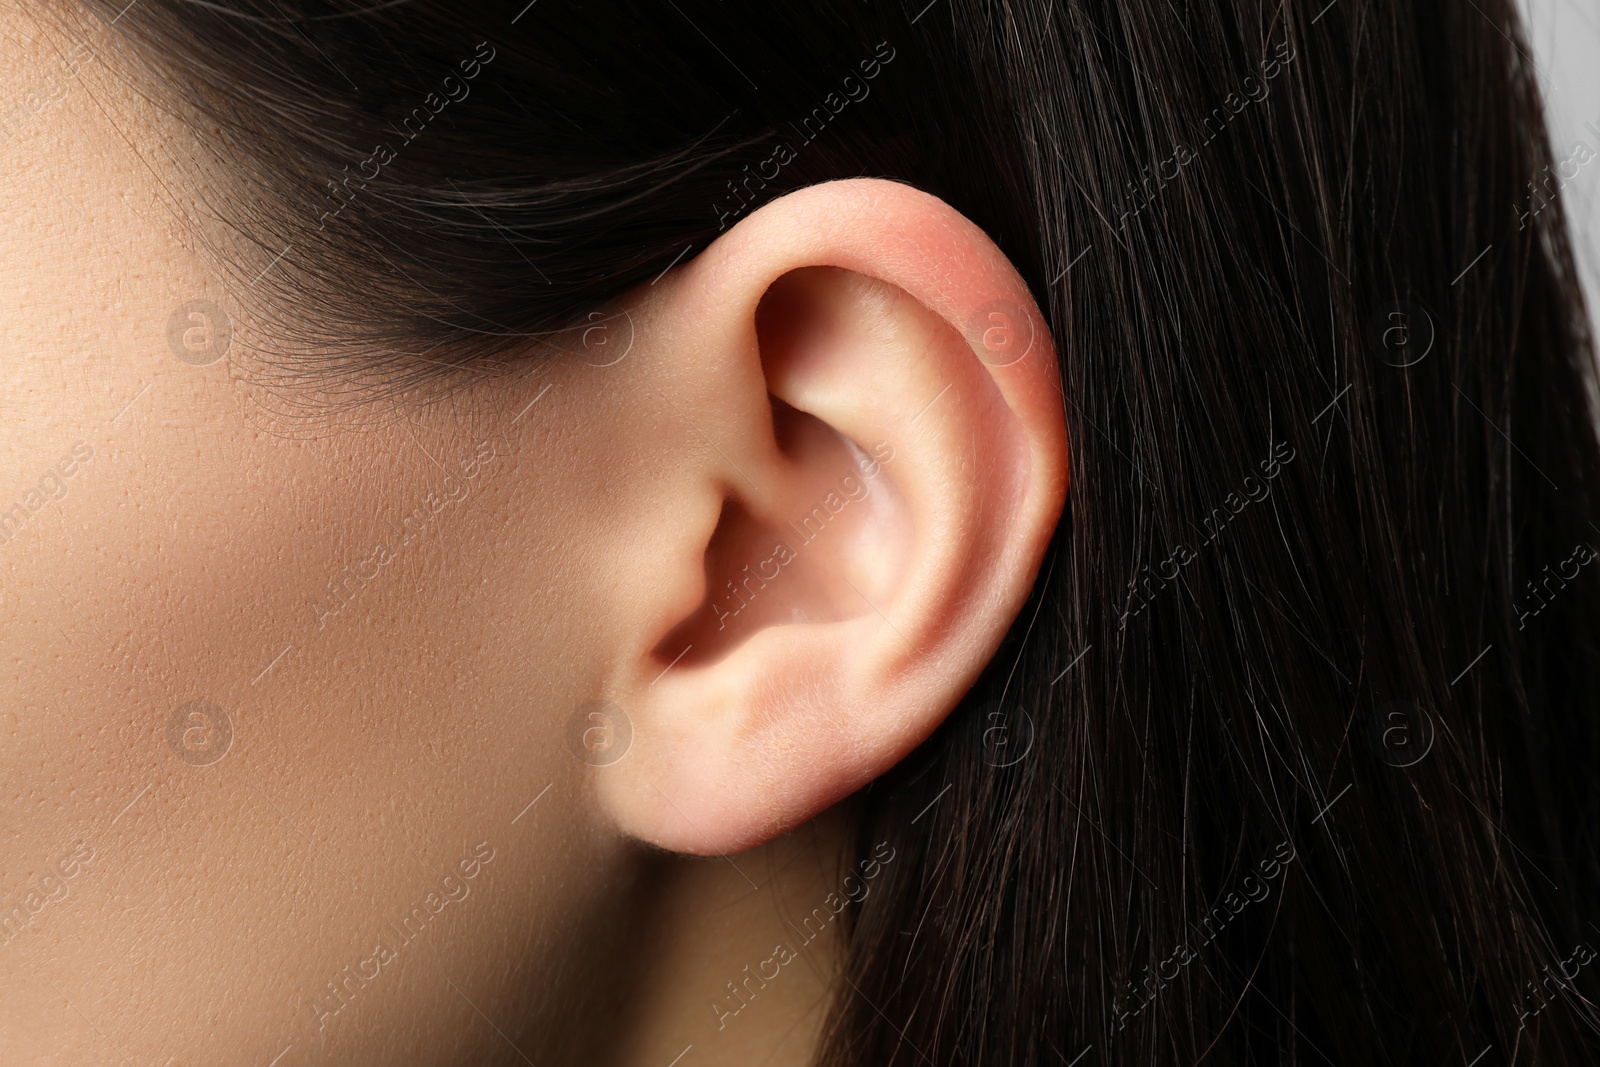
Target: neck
741	953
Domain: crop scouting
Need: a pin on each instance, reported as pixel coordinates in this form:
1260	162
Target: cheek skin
383	719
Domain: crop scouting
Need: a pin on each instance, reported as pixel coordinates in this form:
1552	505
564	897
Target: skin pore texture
299	691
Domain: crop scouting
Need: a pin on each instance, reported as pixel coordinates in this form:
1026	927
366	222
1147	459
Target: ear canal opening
802	565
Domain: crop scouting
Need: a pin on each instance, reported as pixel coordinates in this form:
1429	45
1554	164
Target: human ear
794	637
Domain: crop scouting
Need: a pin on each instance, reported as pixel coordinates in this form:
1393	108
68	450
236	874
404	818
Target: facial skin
392	614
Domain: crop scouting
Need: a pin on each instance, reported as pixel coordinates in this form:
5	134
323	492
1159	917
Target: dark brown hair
1290	759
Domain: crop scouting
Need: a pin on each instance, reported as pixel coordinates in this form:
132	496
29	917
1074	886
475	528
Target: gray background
1565	35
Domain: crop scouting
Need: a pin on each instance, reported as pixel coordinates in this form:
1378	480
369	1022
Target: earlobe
887	466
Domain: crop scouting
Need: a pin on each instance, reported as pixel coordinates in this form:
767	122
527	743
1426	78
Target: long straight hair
1291	756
